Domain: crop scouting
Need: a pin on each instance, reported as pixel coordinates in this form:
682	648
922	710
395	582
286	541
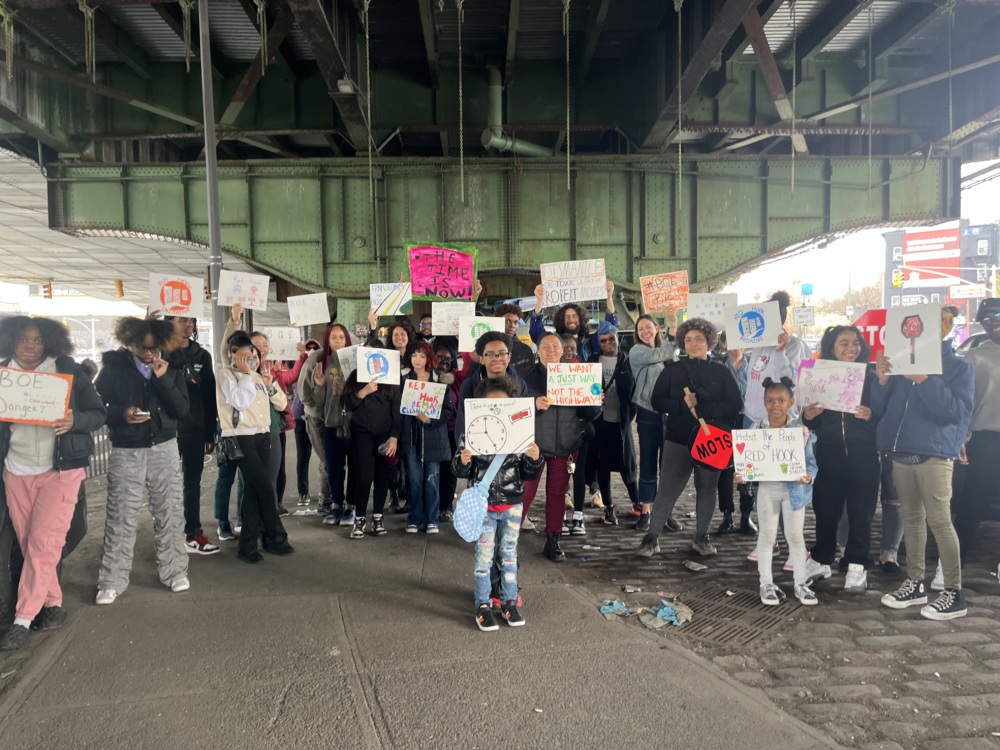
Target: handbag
227	449
470	510
343	431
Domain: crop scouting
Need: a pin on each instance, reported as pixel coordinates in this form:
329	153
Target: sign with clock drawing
499	425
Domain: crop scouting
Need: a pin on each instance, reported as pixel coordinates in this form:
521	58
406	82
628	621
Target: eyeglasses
427	325
695	340
445	359
491	356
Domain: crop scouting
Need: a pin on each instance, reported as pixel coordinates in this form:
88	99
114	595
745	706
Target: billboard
932	258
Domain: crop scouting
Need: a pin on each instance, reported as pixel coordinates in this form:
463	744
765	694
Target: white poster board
499	425
445	316
579	281
390	299
913	339
771	455
33	397
753	326
711	307
176	295
248	289
308	310
423	396
282	341
833	385
378	364
348	358
575	384
470	329
803	316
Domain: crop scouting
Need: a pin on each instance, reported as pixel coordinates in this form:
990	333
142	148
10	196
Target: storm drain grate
733	620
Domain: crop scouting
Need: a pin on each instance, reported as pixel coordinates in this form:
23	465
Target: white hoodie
32	446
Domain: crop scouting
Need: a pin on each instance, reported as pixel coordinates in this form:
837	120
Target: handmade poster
711	307
420	396
913	339
348	358
391	299
833	385
499	425
445	316
33	397
308	310
378	364
771	455
579	281
872	327
575	384
282	342
753	326
712	447
470	329
803	316
664	292
439	272
176	295
248	289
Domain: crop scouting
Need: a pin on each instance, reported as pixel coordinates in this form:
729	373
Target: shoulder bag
227	449
470	510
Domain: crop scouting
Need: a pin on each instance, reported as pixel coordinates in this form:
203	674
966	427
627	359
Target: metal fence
102	454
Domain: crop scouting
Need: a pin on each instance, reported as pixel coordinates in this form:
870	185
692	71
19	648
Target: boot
552	549
726	526
747	526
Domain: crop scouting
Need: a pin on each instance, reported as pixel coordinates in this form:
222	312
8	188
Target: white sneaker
938	583
180	584
526	524
805	595
788	567
815	571
771	595
106	596
857	579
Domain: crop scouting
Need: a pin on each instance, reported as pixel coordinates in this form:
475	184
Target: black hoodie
199	375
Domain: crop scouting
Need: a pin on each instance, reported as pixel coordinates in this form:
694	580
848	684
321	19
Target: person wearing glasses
425	329
493	351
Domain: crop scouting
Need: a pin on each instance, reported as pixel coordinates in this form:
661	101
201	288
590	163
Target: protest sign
913	339
423	396
753	326
439	272
33	397
664	292
575	384
579	281
803	316
872	327
832	385
772	455
446	315
470	329
308	309
247	289
390	299
348	358
378	364
499	425
176	295
282	342
711	307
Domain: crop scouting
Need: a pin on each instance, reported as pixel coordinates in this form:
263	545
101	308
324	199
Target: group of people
166	407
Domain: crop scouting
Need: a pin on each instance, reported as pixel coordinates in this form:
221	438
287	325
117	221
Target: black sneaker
251	557
282	510
484	618
514	618
610	517
642	522
378	527
49	618
949	605
673	525
910	594
16	638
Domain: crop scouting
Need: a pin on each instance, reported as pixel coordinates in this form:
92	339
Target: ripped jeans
499	528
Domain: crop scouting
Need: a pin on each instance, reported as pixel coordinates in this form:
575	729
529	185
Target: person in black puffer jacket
558	433
146	398
43	470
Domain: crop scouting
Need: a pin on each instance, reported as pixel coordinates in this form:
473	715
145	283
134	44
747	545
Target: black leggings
192	449
371	469
282	477
848	480
303	451
260	515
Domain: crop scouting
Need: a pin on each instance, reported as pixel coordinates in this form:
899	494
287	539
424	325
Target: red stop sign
713	447
872	327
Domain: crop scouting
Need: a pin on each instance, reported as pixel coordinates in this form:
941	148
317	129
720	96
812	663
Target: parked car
970	343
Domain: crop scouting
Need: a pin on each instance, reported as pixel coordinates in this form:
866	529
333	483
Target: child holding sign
784	500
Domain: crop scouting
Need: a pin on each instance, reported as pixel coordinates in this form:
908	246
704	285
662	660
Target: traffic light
897	277
47	290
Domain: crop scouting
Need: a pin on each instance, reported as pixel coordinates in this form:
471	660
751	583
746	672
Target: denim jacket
800	495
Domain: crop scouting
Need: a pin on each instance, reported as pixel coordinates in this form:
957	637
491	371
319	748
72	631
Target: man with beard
573	320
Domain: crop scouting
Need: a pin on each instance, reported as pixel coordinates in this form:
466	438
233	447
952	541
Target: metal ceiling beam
172	18
754	28
40	134
117	40
333	67
430	40
728	17
287	53
277	34
738	44
595	27
908	22
828	24
513	19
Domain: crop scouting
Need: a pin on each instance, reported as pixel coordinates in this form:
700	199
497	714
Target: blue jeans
423	485
224	489
502	528
649	425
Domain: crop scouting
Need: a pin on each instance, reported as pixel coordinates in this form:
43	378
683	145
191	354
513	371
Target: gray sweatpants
315	430
130	472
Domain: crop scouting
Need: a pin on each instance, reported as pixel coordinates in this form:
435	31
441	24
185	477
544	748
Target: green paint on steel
311	222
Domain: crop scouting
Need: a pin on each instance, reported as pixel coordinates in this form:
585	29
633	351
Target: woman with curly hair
146	398
43	467
692	388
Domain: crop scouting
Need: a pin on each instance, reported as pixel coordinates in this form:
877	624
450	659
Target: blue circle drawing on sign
378	366
595	389
751	326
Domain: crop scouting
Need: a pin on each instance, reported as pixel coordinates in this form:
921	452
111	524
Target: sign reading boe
33	397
